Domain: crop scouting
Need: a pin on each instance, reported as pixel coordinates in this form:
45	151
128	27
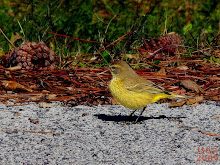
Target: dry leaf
162	71
183	67
217	116
177	104
51	96
34	86
189	84
70	88
45	105
12	85
194	101
104	13
37	97
93	59
130	56
17	114
45	91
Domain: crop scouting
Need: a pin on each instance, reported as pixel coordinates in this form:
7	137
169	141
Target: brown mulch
79	86
89	86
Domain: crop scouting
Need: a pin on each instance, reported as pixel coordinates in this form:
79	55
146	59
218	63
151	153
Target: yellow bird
132	90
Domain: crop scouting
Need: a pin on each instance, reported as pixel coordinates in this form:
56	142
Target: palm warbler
132	90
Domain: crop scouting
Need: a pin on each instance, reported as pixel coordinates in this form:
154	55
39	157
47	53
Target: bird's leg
140	114
133	112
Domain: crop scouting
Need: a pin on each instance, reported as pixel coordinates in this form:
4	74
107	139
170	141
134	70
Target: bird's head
120	69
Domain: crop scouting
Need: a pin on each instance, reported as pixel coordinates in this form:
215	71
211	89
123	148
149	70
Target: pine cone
167	43
31	56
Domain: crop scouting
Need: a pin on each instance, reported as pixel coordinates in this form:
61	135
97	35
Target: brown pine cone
31	56
156	47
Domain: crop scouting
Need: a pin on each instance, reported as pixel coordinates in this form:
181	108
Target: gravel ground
105	135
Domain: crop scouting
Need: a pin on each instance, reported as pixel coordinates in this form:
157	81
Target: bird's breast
129	99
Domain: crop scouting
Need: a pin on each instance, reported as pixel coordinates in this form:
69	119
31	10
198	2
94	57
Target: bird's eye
113	68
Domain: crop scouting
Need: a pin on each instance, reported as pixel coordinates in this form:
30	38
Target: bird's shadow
122	118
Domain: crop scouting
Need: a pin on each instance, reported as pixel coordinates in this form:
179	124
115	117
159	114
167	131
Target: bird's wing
146	88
